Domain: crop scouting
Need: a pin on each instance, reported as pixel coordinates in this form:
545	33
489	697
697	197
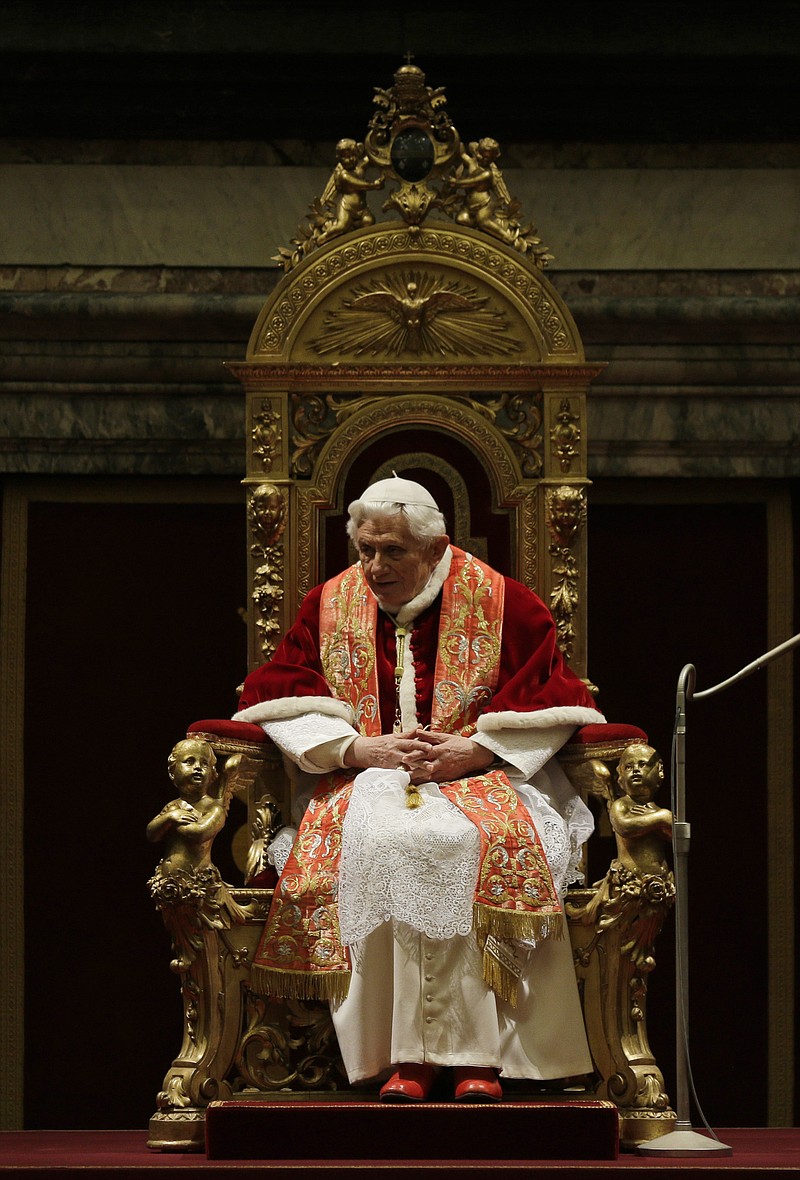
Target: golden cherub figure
346	190
186	886
488	205
188	824
641	827
638	888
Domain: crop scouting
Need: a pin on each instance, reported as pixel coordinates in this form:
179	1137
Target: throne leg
612	971
212	987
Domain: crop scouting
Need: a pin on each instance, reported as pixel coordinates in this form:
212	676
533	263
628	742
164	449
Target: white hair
424	523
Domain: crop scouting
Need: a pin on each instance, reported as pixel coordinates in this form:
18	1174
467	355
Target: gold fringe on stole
495	929
515	925
300	985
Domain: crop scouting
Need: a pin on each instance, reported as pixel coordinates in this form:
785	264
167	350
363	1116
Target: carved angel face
641	772
396	565
191	767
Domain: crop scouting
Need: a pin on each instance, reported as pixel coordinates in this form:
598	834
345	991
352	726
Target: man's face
396	566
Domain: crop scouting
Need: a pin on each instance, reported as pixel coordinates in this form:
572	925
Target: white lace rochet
420	867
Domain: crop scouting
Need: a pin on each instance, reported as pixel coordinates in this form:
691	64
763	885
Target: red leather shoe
476	1083
411	1083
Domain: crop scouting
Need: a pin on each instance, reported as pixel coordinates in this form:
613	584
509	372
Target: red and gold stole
300	953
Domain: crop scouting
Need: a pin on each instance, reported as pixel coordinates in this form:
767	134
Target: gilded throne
413	332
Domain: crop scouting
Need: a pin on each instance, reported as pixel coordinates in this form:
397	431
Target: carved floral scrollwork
288	1044
524	412
191	903
637	903
518	417
565	436
566	516
314	418
267	512
266	434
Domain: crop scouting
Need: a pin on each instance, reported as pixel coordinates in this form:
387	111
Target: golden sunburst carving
417	313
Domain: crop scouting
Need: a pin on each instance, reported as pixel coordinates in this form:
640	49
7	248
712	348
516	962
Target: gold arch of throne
486	368
441	349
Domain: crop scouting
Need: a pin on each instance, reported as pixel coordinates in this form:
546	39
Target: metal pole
684	1141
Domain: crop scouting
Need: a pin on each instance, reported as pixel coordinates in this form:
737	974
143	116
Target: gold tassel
499	978
413	797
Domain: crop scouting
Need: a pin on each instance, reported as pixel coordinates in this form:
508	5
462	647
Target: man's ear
438	547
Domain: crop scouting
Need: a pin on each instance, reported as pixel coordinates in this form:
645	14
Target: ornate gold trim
517	416
267	515
565	436
259	373
412	143
355	434
565	513
356	254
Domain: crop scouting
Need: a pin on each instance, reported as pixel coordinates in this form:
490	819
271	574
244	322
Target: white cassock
407	879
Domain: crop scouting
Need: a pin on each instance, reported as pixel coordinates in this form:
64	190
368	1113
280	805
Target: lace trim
419	867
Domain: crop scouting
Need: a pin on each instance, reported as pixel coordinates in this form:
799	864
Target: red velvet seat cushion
238	731
596	735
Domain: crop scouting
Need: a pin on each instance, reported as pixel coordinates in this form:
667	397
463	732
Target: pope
419	700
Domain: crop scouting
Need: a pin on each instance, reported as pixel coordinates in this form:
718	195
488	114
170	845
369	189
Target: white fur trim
429	591
283	708
574	715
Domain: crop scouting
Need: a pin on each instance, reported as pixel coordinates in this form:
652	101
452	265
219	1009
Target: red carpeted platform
425	1131
123	1155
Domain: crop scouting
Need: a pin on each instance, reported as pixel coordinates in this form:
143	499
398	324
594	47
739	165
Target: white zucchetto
398	491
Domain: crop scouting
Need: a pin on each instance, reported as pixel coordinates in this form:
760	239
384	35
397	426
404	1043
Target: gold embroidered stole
468	653
348	615
301	953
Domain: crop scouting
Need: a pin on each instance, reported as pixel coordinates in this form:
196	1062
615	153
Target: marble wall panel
139	215
693	437
120	370
84	434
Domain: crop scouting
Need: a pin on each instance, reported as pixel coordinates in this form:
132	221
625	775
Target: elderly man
425	695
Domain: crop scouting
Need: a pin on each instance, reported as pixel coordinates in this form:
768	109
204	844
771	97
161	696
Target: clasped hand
427	756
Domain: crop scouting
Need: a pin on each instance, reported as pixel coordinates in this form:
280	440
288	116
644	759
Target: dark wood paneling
132	633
